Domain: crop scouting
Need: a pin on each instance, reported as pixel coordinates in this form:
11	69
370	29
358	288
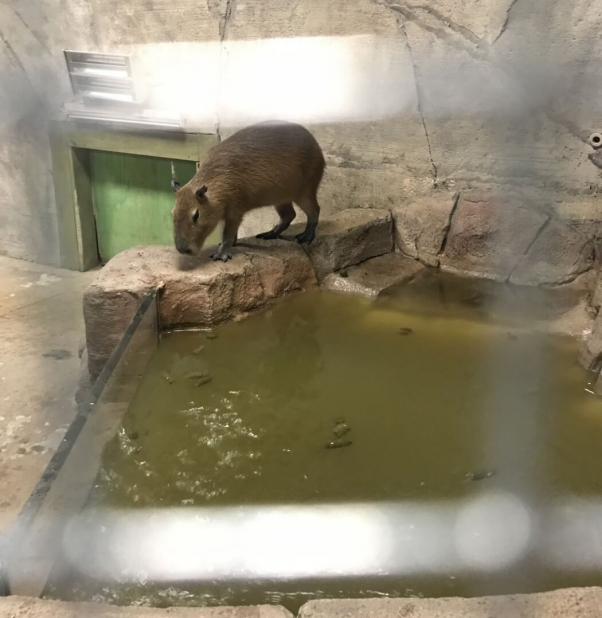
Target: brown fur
266	164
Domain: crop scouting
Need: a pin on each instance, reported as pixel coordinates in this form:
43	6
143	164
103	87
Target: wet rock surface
590	354
374	276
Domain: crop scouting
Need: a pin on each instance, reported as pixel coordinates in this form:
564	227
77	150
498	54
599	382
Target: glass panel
65	484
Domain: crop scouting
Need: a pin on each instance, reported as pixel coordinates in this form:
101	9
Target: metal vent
101	77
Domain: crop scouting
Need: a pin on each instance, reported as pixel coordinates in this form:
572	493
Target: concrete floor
41	326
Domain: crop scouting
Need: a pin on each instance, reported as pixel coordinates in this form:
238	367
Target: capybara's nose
182	247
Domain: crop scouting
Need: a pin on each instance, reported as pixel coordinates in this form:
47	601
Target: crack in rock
477	48
540	231
36	37
505	24
16	62
463	31
452	212
225	21
525	254
434	171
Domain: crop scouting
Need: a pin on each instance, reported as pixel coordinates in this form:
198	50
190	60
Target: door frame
70	146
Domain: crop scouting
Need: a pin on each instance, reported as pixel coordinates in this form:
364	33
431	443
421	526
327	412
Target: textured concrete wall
33	85
449	94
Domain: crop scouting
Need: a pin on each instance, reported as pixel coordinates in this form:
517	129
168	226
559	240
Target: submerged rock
475	300
196	375
201	377
480	475
341	429
338	444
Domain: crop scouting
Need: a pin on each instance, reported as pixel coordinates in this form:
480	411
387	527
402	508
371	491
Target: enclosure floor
41	325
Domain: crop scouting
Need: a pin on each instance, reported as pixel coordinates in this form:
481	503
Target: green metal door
133	199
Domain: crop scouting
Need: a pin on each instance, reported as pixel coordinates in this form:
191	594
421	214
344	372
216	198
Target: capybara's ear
175	185
200	193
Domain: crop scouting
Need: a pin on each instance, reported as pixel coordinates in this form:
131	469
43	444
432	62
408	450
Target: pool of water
436	394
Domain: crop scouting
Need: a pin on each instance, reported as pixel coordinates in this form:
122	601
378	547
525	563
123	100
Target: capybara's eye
195	217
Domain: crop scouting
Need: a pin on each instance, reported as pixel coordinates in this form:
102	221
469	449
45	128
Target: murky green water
446	389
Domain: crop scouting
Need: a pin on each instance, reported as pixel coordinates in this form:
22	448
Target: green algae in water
469	398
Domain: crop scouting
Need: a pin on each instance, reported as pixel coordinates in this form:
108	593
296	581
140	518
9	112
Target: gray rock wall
447	94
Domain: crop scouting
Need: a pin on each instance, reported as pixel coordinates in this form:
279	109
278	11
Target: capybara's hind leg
287	214
309	205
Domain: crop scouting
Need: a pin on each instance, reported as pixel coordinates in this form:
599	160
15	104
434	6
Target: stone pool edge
564	603
197	292
516	244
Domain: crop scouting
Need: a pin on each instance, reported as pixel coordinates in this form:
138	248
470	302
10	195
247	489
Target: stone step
374	276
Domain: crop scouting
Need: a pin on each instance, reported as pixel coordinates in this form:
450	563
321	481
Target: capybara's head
194	217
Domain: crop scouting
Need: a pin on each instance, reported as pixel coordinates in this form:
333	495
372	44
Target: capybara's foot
224	257
306	236
268	235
